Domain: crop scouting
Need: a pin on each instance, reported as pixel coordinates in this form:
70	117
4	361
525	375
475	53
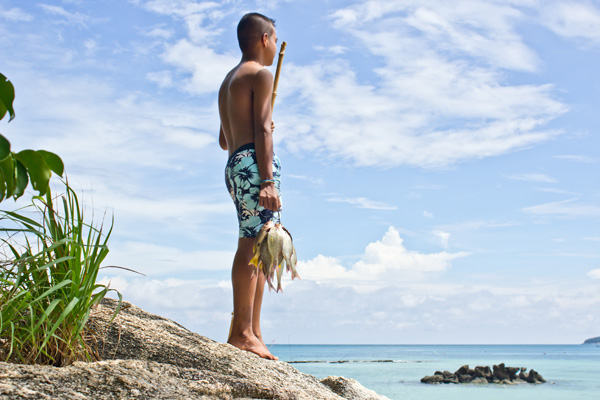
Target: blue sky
440	159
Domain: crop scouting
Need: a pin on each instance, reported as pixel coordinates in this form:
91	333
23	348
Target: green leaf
38	170
7	170
4	147
53	161
7	96
22	180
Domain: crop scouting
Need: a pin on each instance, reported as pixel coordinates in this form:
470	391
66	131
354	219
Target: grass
48	280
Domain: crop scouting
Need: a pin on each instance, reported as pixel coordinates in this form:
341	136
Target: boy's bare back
244	104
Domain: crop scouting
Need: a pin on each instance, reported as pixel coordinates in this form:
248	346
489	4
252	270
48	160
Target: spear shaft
277	72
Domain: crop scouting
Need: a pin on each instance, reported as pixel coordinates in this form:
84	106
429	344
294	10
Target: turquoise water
572	371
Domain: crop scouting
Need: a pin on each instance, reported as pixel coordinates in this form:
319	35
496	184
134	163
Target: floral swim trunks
243	183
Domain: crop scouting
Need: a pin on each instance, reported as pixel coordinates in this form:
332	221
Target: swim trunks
243	183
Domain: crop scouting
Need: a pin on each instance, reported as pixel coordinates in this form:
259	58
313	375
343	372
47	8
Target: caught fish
272	246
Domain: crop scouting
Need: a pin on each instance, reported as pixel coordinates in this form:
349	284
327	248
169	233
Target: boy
252	171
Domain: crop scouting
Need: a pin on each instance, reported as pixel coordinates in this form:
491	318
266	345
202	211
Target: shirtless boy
252	171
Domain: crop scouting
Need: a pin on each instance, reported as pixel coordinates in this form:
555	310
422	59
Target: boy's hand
268	197
272	126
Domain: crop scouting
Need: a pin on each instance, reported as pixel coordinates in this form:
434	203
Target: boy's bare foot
251	344
259	337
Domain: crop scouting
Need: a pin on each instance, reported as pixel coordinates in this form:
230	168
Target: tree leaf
7	96
4	147
7	170
22	179
53	161
37	169
3	187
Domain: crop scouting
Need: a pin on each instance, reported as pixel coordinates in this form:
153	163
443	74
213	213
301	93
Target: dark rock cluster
497	374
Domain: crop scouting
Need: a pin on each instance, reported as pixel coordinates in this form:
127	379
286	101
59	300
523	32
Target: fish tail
254	260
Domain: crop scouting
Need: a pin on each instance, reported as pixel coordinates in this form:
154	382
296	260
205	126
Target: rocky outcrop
149	357
497	374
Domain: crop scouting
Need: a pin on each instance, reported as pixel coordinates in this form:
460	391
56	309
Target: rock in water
500	374
150	357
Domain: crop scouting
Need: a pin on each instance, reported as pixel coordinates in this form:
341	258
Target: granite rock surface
146	356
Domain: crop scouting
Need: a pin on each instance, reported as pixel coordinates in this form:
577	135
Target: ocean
572	371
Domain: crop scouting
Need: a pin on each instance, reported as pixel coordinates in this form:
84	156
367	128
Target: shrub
48	280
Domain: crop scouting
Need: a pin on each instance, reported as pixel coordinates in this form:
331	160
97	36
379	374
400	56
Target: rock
432	379
452	379
464	370
349	388
534	377
150	357
483	372
512	372
500	373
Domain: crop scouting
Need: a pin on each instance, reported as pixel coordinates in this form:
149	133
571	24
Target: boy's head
251	30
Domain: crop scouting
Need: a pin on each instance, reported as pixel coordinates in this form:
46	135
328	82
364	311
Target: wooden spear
277	71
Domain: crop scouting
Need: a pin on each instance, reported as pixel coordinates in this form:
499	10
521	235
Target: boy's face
271	47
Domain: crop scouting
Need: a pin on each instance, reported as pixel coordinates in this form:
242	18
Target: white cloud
578	158
332	49
194	54
16	14
532	177
160	260
427	214
160	33
207	67
72	18
163	79
478	28
111	128
310	312
363	202
594	274
444	237
383	263
90	46
315	181
573	19
446	60
557	191
564	208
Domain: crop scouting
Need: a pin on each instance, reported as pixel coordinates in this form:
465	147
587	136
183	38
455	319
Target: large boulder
147	356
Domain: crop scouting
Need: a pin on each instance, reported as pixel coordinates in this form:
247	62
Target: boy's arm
222	141
263	138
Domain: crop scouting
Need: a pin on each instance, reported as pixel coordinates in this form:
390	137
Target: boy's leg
244	291
258	297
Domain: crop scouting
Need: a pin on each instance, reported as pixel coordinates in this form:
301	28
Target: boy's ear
265	39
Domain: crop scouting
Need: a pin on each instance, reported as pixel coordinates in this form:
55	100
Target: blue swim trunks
243	183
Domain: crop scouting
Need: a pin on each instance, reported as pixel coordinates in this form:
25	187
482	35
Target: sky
440	159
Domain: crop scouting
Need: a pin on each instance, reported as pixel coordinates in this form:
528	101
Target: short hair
251	28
